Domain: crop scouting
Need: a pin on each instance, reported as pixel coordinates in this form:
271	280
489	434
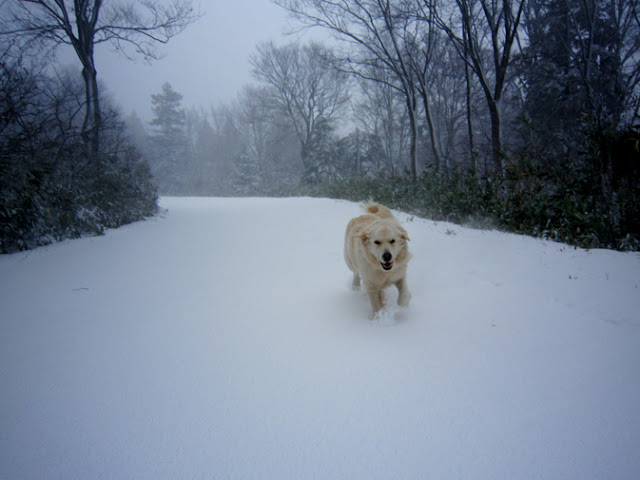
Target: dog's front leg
403	293
375	297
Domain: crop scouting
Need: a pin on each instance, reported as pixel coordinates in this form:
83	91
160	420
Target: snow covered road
223	340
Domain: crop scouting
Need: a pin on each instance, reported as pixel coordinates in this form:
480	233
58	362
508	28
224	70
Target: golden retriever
376	251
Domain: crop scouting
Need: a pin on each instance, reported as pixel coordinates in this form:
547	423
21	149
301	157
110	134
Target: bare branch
85	23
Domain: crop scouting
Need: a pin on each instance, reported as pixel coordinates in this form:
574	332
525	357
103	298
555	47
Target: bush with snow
51	186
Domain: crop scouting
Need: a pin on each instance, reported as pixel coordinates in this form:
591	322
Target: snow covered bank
224	341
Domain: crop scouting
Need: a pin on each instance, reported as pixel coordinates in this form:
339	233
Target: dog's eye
377	242
393	240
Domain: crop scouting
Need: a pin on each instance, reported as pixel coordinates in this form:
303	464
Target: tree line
525	111
445	85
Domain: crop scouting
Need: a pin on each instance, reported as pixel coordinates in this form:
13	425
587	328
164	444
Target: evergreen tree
168	140
321	154
574	68
246	175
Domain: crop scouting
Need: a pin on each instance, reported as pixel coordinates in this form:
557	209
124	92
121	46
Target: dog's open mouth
387	266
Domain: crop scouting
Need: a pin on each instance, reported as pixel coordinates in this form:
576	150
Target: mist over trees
441	86
522	111
134	28
309	95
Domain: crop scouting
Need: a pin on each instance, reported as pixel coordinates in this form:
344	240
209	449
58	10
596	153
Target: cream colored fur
376	251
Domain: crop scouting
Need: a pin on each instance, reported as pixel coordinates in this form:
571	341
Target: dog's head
386	245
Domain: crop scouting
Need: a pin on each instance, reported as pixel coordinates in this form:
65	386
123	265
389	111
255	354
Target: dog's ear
365	238
404	235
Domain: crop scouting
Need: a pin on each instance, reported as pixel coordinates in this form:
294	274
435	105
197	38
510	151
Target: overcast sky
208	63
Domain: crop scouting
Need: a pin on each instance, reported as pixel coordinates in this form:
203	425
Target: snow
223	340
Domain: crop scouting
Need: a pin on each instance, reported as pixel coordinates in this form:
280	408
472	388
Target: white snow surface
223	340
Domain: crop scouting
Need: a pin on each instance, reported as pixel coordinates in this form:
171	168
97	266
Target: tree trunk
432	135
86	14
414	138
472	153
496	136
91	124
307	167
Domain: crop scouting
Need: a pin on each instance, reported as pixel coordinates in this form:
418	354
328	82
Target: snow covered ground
223	340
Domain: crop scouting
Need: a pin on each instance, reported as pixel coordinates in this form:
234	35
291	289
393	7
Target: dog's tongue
387	266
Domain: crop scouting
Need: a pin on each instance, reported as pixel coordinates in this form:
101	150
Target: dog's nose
386	256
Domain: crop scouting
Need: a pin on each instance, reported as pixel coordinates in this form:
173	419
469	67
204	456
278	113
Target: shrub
50	187
565	204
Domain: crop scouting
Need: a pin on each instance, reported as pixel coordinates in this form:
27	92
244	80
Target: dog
376	251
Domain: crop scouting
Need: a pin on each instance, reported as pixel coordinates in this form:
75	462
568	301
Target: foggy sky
208	63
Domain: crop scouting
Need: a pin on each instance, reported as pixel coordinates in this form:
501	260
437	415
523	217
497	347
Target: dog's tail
378	210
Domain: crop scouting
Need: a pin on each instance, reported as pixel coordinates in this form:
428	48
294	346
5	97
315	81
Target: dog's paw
388	317
404	299
383	318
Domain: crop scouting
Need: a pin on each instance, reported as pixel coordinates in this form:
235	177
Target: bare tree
252	120
484	33
376	28
133	28
422	43
304	86
446	88
264	133
381	113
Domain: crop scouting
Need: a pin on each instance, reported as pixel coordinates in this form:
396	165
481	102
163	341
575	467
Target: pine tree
168	140
246	175
574	68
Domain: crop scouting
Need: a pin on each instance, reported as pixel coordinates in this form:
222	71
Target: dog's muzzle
386	261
